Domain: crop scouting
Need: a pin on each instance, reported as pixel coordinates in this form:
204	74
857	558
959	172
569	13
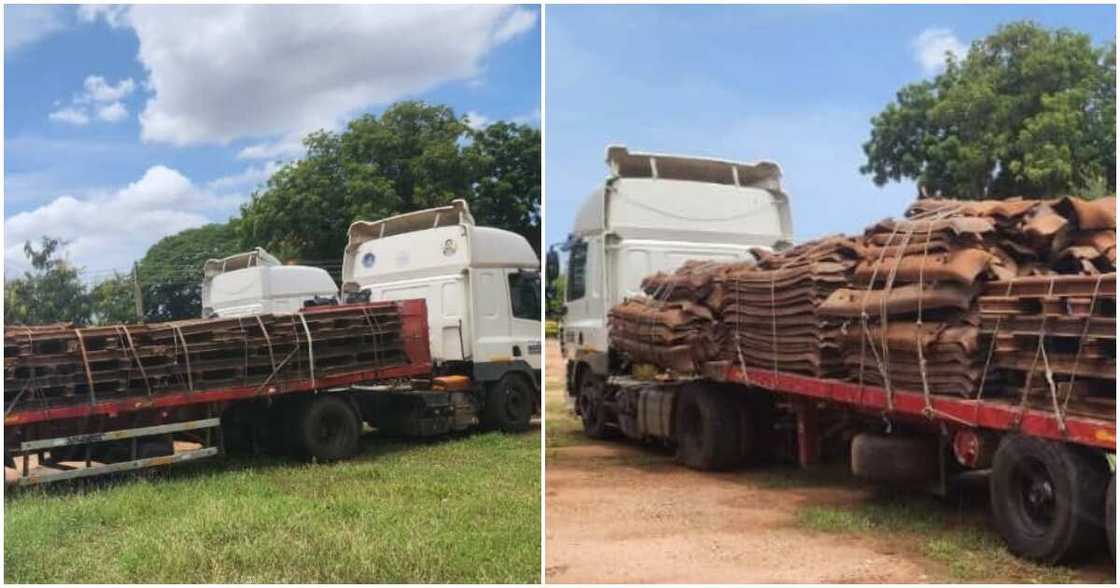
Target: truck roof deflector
456	213
760	174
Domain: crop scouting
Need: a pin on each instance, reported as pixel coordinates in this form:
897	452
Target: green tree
52	292
413	156
554	293
1028	112
170	273
505	158
113	300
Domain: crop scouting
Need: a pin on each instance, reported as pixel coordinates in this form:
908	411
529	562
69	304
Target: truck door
525	315
586	316
491	317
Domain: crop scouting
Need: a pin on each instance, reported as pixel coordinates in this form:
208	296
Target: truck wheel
1047	498
1110	516
706	430
327	429
756	424
509	405
895	459
591	410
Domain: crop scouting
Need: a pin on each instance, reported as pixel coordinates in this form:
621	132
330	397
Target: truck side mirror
552	265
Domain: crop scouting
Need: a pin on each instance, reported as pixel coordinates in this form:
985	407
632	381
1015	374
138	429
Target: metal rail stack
771	309
1009	300
59	365
1054	338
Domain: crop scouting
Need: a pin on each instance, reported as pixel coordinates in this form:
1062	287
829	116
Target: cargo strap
310	348
186	353
135	355
85	365
267	340
1081	340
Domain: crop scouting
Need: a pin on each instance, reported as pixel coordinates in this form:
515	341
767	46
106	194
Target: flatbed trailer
314	415
1049	474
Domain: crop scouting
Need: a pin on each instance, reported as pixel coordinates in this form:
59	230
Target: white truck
653	213
482	289
255	282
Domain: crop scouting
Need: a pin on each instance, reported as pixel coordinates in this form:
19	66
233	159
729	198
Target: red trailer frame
414	326
193	411
954	412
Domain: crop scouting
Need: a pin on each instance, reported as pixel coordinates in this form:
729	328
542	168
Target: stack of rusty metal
769	311
672	326
56	365
676	335
916	303
913	317
1054	339
908	320
1067	236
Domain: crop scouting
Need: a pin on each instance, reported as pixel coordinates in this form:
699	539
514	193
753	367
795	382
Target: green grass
459	510
969	550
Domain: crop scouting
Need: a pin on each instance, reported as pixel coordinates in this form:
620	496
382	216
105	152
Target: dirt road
619	512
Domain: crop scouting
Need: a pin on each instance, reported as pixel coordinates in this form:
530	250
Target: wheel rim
514	402
330	429
586	407
1035	499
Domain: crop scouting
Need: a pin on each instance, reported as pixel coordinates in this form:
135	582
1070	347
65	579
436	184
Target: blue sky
794	84
126	124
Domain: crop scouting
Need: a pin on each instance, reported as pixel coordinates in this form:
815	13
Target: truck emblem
368	259
449	247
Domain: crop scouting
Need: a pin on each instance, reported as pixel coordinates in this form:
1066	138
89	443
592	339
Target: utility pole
138	294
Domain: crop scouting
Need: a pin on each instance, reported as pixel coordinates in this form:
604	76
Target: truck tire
327	429
1110	516
896	459
756	427
591	411
706	426
509	405
1047	498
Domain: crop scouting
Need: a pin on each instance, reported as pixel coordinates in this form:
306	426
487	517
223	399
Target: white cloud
70	116
287	148
104	97
114	15
301	68
26	24
249	178
112	112
931	46
531	119
98	90
520	21
112	229
477	121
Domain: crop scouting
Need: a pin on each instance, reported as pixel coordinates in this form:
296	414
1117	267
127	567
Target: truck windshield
524	295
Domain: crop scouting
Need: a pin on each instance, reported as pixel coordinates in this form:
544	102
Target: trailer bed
995	414
414	337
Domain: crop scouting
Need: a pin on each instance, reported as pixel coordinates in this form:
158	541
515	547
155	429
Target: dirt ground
622	513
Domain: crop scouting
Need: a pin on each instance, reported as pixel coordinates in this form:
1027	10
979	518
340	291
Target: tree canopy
1026	112
170	273
52	292
413	156
113	300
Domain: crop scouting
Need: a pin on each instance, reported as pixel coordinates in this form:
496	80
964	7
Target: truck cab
255	282
481	286
653	213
